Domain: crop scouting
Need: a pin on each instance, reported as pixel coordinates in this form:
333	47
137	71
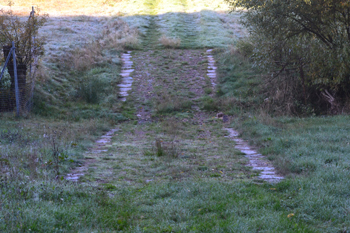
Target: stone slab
124	89
123	94
125	85
127	70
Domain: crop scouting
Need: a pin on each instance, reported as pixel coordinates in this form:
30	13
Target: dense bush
304	47
91	89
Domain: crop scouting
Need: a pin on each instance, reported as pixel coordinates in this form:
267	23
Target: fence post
16	79
32	66
31	40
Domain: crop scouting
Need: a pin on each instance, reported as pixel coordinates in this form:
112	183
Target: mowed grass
197	24
313	154
170	207
169	81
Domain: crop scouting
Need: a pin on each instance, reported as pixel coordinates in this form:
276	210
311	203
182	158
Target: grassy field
169	166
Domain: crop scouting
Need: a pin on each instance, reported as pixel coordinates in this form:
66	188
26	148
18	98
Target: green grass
28	144
61	207
238	81
321	143
213	206
313	155
174	207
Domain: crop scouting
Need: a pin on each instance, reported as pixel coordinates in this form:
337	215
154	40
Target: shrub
245	48
209	104
85	57
22	32
91	89
304	44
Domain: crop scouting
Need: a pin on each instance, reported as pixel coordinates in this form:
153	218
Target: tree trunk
302	76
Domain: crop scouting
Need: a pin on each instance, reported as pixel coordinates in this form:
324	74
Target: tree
22	32
29	47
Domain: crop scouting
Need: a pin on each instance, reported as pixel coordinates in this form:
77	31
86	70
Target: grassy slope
312	152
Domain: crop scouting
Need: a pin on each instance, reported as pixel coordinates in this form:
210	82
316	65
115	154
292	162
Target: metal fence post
16	79
31	40
32	70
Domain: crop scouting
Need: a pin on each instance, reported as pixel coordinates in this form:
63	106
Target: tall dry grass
168	42
85	57
116	35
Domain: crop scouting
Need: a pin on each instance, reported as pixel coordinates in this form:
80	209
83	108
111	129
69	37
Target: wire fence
16	82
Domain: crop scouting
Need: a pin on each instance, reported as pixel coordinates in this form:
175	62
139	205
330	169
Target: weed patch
238	82
209	104
91	90
170	104
169	42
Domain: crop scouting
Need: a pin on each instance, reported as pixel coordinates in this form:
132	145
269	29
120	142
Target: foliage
306	41
12	28
91	89
5	82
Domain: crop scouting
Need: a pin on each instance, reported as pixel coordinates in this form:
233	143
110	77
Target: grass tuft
166	104
168	42
91	90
